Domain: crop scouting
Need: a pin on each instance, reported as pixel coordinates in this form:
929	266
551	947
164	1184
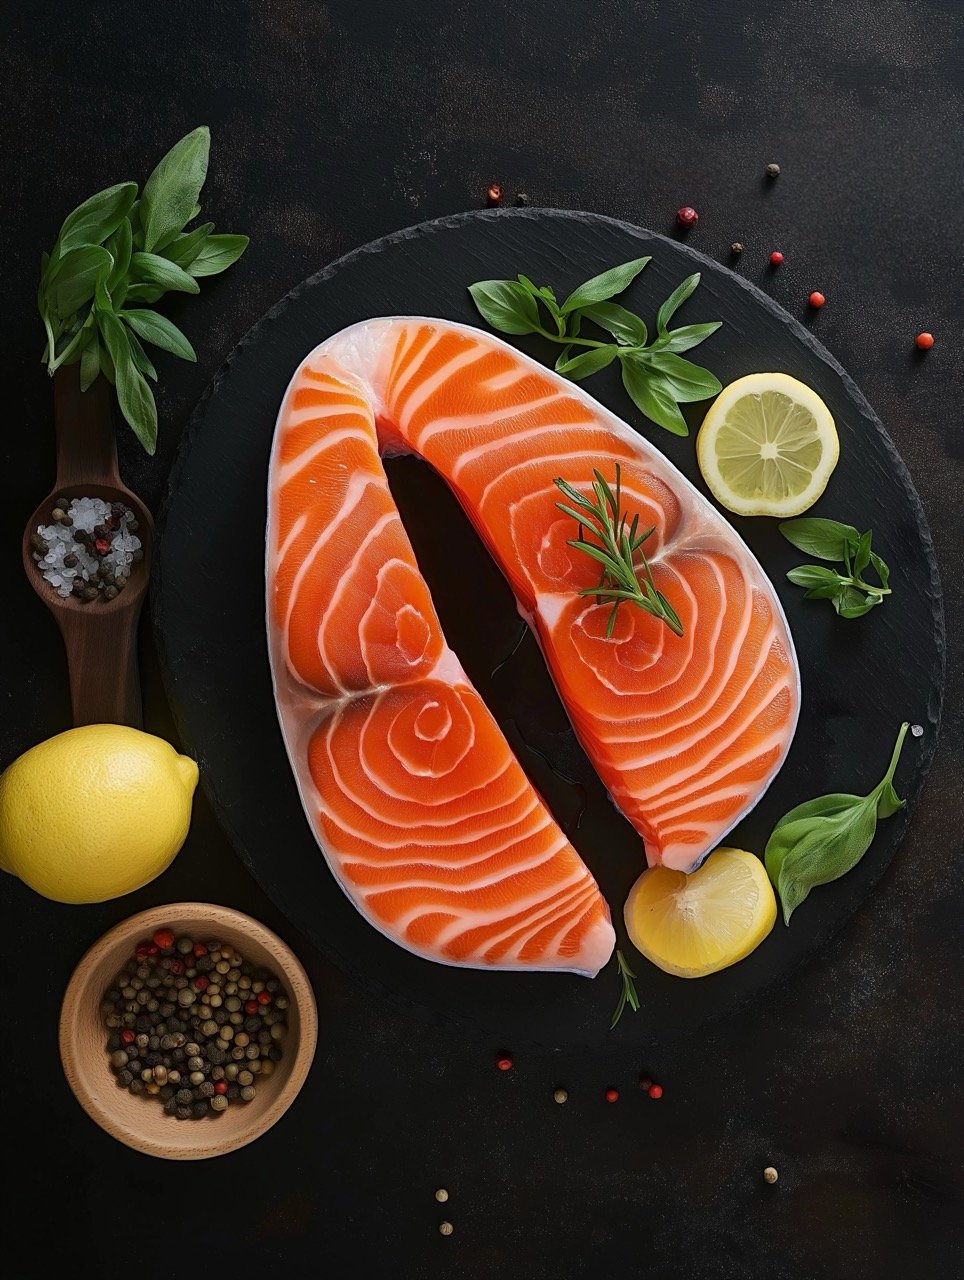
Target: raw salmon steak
424	815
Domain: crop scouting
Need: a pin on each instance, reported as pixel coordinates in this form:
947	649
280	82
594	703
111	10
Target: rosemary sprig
628	994
620	544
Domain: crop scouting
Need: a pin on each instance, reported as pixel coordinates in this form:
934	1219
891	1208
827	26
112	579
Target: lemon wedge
692	925
767	446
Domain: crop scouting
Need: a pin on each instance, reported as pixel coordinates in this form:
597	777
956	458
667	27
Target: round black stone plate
861	678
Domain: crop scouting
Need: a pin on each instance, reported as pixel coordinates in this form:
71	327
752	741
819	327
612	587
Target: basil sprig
116	252
656	377
822	839
848	592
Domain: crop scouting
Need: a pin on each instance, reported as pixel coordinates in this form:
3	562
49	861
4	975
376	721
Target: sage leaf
216	254
687	381
861	555
621	323
825	539
151	268
822	839
881	569
119	245
852	603
587	362
133	394
140	357
97	218
185	248
604	286
653	398
507	305
159	331
674	302
74	279
89	365
171	192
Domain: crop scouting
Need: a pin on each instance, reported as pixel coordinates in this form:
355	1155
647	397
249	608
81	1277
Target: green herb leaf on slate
850	594
170	194
97	218
656	378
159	331
216	254
822	839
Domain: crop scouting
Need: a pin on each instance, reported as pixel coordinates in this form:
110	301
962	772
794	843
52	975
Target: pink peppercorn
687	216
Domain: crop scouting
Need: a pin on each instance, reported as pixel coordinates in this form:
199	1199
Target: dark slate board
860	678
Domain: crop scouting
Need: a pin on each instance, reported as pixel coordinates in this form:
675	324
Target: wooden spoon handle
102	665
84	422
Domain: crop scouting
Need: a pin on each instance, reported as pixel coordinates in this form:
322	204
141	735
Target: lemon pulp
693	925
767	446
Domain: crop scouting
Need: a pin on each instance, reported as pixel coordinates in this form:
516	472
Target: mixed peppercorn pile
193	1024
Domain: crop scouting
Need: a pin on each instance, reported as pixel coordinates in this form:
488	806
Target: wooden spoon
100	636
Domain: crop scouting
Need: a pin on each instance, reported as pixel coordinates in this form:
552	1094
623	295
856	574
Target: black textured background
334	124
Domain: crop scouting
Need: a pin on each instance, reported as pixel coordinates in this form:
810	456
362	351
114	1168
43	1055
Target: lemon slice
767	446
692	925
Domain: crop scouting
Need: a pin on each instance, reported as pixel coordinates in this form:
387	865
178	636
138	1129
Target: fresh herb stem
621	543
849	593
628	995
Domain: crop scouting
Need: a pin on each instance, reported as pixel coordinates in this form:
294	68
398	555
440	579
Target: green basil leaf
159	331
883	572
686	381
650	395
120	246
586	363
821	806
825	539
185	248
690	335
151	268
861	552
604	286
622	324
106	363
133	394
144	293
852	603
506	305
217	253
826	592
94	220
74	279
674	302
171	192
818	849
815	577
89	364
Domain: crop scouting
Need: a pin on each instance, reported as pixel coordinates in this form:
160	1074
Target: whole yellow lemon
95	812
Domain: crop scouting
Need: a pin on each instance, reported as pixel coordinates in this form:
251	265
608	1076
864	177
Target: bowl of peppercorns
188	1030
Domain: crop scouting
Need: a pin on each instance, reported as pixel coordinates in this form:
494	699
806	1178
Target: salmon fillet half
422	811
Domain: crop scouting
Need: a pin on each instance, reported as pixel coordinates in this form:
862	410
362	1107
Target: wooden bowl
140	1121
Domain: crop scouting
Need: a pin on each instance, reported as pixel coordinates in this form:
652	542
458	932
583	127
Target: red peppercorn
201	982
504	1063
924	341
687	216
177	966
655	1090
221	1086
164	938
101	546
127	1036
612	1095
251	1006
776	257
200	949
264	997
816	300
142	950
494	194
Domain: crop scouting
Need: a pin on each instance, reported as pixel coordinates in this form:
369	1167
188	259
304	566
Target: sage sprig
822	839
656	377
848	592
113	254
